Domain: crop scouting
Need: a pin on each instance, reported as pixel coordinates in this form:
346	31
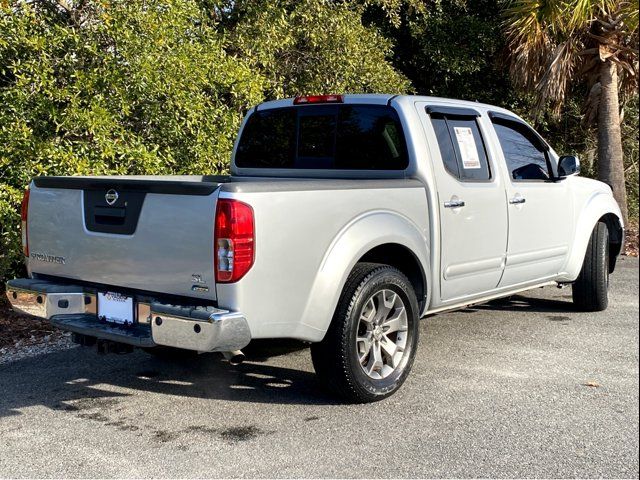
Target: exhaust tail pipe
235	357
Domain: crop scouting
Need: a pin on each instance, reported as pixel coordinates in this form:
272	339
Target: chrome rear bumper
205	329
74	308
45	300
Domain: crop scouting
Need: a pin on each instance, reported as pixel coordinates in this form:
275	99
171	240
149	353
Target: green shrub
159	86
10	244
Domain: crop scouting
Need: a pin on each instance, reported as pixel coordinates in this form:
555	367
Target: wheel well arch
616	237
405	260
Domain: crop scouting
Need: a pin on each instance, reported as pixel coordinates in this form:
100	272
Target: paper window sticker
468	149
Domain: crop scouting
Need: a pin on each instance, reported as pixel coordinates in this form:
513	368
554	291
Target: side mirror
568	165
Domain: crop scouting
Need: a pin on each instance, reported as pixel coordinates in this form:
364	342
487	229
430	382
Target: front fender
597	206
361	235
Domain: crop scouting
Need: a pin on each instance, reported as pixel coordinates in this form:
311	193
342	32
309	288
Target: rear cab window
341	137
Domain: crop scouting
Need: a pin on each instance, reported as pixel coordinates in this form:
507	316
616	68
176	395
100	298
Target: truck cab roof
388	99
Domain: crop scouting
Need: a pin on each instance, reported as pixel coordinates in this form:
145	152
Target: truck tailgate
148	235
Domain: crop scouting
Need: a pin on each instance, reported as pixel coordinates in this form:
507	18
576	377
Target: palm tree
556	45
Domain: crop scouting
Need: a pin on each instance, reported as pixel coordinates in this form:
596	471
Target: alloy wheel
382	335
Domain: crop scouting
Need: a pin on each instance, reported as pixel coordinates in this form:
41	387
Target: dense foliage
160	86
151	86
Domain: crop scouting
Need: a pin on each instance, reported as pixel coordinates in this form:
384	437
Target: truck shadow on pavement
517	303
64	379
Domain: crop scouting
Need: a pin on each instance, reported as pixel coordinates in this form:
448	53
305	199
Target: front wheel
591	288
370	346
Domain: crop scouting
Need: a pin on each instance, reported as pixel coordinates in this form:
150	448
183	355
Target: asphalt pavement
524	387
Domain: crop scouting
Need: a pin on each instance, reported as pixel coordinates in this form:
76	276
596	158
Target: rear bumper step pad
136	335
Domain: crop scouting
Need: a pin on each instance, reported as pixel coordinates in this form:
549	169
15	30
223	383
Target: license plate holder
115	307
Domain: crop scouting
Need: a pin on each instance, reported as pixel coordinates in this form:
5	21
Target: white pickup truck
346	218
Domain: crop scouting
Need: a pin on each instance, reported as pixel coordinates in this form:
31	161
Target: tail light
234	240
24	214
305	99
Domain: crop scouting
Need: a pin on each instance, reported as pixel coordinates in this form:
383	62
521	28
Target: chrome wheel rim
382	334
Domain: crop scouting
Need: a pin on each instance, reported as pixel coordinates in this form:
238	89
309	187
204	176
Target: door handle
454	204
517	200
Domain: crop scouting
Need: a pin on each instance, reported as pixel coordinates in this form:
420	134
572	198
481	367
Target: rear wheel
370	346
591	289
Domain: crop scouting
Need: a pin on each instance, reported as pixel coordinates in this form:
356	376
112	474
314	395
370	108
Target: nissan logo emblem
111	197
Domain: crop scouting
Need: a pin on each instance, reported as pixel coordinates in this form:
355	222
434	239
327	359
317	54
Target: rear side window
525	157
461	147
347	137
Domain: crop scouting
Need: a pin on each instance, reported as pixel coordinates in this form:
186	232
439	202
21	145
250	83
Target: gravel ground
525	387
42	346
22	336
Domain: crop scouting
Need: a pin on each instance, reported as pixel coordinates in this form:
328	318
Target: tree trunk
610	157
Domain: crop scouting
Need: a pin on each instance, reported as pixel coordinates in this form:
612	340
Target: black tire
336	358
591	289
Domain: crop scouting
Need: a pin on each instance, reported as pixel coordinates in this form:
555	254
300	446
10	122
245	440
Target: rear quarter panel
309	235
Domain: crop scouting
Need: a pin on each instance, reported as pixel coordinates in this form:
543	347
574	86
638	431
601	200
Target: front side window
343	137
525	157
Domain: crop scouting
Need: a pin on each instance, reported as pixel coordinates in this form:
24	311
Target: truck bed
158	238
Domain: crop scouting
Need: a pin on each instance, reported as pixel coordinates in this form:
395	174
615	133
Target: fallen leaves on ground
631	245
17	330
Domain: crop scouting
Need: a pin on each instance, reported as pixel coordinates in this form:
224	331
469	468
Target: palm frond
528	41
583	12
554	43
554	84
